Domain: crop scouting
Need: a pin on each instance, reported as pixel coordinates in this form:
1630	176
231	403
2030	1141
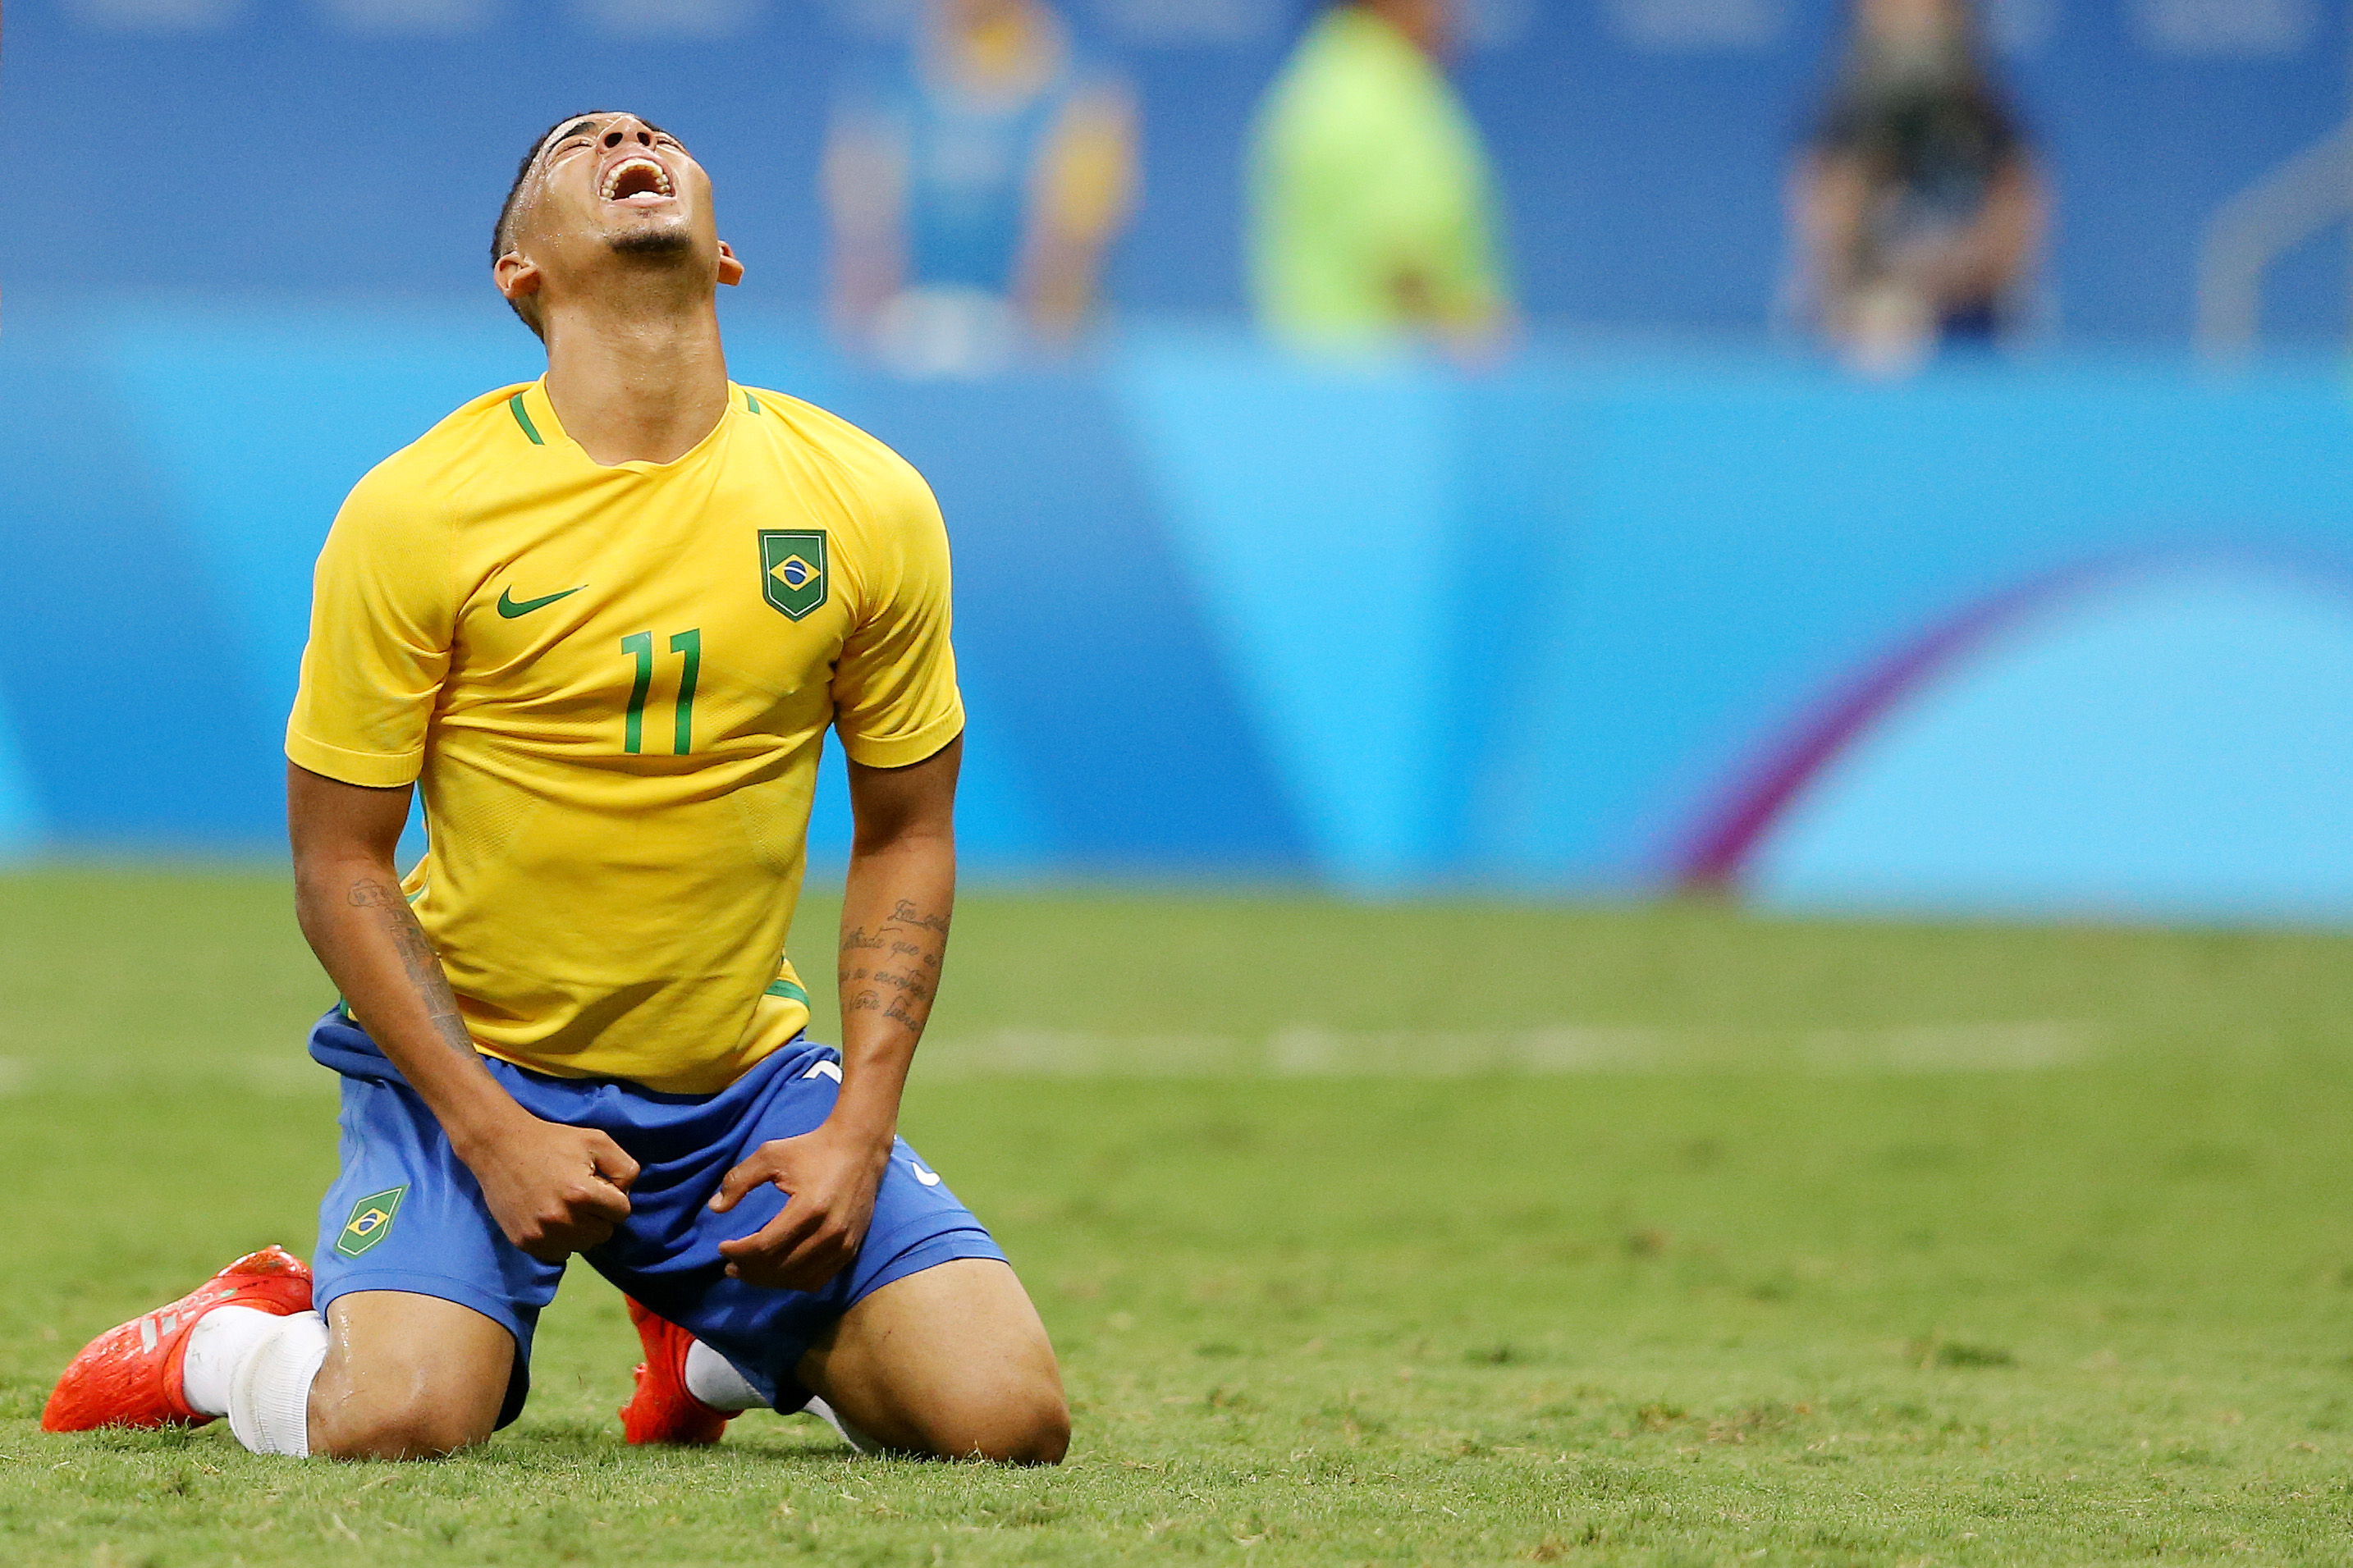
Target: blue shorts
406	1213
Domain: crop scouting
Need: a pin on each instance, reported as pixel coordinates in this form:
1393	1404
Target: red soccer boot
662	1411
130	1376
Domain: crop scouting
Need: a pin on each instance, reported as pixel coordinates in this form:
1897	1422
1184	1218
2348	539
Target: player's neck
633	386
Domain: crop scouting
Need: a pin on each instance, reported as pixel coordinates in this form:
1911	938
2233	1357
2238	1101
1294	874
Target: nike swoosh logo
511	609
922	1175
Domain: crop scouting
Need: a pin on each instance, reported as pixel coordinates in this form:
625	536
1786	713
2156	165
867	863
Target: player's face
616	177
612	186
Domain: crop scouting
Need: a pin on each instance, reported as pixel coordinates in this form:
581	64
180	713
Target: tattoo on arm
906	914
904	980
896	965
896	1009
417	959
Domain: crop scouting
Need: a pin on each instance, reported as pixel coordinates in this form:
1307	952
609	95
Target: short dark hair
502	233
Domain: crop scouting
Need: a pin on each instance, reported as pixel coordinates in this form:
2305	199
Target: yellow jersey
612	684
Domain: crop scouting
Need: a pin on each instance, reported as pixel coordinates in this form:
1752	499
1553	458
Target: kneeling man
604	619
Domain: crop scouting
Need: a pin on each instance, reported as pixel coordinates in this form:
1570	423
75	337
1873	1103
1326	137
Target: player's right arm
384	609
553	1189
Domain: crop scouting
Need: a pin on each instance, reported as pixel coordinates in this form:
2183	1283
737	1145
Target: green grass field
1436	1234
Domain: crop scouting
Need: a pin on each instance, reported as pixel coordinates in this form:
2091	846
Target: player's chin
652	235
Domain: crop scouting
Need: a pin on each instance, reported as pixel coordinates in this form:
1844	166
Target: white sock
712	1379
218	1346
850	1435
269	1393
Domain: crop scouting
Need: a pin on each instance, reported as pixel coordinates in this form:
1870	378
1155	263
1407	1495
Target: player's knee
407	1377
1044	1435
422	1427
1029	1425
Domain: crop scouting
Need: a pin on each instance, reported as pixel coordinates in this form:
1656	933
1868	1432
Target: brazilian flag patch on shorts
371	1219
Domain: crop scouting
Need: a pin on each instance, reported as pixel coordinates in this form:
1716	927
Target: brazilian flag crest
792	569
371	1219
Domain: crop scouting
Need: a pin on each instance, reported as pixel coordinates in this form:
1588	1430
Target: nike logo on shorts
926	1177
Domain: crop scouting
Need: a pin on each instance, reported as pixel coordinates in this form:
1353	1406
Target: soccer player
604	619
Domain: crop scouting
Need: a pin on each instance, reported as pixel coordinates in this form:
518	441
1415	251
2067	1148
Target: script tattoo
896	966
907	914
902	981
896	1009
417	959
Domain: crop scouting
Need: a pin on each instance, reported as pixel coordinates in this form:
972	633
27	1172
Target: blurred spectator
1373	211
1917	208
974	189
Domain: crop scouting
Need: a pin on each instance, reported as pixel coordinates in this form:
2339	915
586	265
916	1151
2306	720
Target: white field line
1300	1051
2023	1046
1309	1051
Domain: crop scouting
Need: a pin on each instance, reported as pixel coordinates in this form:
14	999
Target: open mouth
638	181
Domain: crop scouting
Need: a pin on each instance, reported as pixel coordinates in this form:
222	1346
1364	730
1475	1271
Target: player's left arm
901	720
894	937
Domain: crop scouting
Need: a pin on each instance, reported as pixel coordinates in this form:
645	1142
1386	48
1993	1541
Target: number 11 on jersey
640	645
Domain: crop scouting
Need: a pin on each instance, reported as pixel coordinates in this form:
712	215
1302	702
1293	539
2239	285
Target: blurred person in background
1373	211
974	188
1917	208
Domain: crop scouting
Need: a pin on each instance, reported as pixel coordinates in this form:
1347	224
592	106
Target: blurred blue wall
2064	634
1595	621
2176	741
251	145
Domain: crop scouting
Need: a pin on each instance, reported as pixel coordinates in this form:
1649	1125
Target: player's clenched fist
554	1190
831	1175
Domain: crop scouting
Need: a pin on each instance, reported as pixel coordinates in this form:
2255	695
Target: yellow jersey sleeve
383	610
895	690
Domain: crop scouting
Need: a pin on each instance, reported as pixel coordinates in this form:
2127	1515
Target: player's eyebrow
590	122
571	129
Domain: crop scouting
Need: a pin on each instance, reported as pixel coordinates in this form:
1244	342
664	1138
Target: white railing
2311	190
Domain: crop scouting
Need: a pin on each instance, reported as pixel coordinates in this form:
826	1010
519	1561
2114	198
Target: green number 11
640	645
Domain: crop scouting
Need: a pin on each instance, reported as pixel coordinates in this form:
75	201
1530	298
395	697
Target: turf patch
1826	1301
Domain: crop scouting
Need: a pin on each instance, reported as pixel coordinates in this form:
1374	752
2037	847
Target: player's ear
731	271
516	275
